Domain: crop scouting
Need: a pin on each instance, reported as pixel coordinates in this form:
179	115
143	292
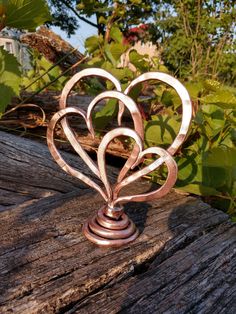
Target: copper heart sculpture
111	226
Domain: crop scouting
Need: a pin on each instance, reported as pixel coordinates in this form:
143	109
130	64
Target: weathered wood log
199	277
31	117
182	262
27	171
52	47
49	100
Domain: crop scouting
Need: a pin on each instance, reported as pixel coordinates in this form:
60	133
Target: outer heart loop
111	226
58	157
63	103
82	74
184	96
124	100
166	158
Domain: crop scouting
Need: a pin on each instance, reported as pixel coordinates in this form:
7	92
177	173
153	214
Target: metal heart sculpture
111	226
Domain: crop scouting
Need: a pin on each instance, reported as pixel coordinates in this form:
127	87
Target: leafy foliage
207	160
67	14
123	13
10	78
198	38
22	14
41	74
63	15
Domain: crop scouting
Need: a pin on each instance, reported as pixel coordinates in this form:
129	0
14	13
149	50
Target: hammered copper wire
107	222
111	226
107	242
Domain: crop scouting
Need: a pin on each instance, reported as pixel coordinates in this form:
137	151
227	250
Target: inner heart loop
166	158
102	151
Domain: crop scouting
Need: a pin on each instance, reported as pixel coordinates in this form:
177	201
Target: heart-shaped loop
61	116
58	157
185	99
111	195
82	74
138	155
111	226
166	158
63	104
135	114
102	151
124	101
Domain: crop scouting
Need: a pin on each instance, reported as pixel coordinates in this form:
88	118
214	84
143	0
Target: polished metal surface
111	227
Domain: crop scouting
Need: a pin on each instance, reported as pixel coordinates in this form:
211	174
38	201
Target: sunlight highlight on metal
111	227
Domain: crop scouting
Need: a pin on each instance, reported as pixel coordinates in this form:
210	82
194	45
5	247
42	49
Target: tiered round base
105	231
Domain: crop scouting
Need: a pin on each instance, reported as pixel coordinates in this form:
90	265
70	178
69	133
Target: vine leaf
25	14
10	78
222	98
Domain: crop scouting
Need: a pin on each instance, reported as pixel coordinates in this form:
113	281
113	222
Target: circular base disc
105	231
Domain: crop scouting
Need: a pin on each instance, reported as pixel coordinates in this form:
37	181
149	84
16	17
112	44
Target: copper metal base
110	232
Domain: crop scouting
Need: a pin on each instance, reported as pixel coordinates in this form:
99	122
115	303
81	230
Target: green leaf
122	74
103	117
26	14
107	50
93	43
222	98
102	20
221	156
10	78
194	89
189	169
209	173
161	130
44	63
138	60
212	85
167	98
219	168
95	62
117	50
199	176
116	34
214	116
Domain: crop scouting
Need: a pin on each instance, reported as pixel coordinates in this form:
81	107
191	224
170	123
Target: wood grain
28	172
182	262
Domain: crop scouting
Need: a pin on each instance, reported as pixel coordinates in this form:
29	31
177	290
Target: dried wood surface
52	47
183	261
27	172
49	103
